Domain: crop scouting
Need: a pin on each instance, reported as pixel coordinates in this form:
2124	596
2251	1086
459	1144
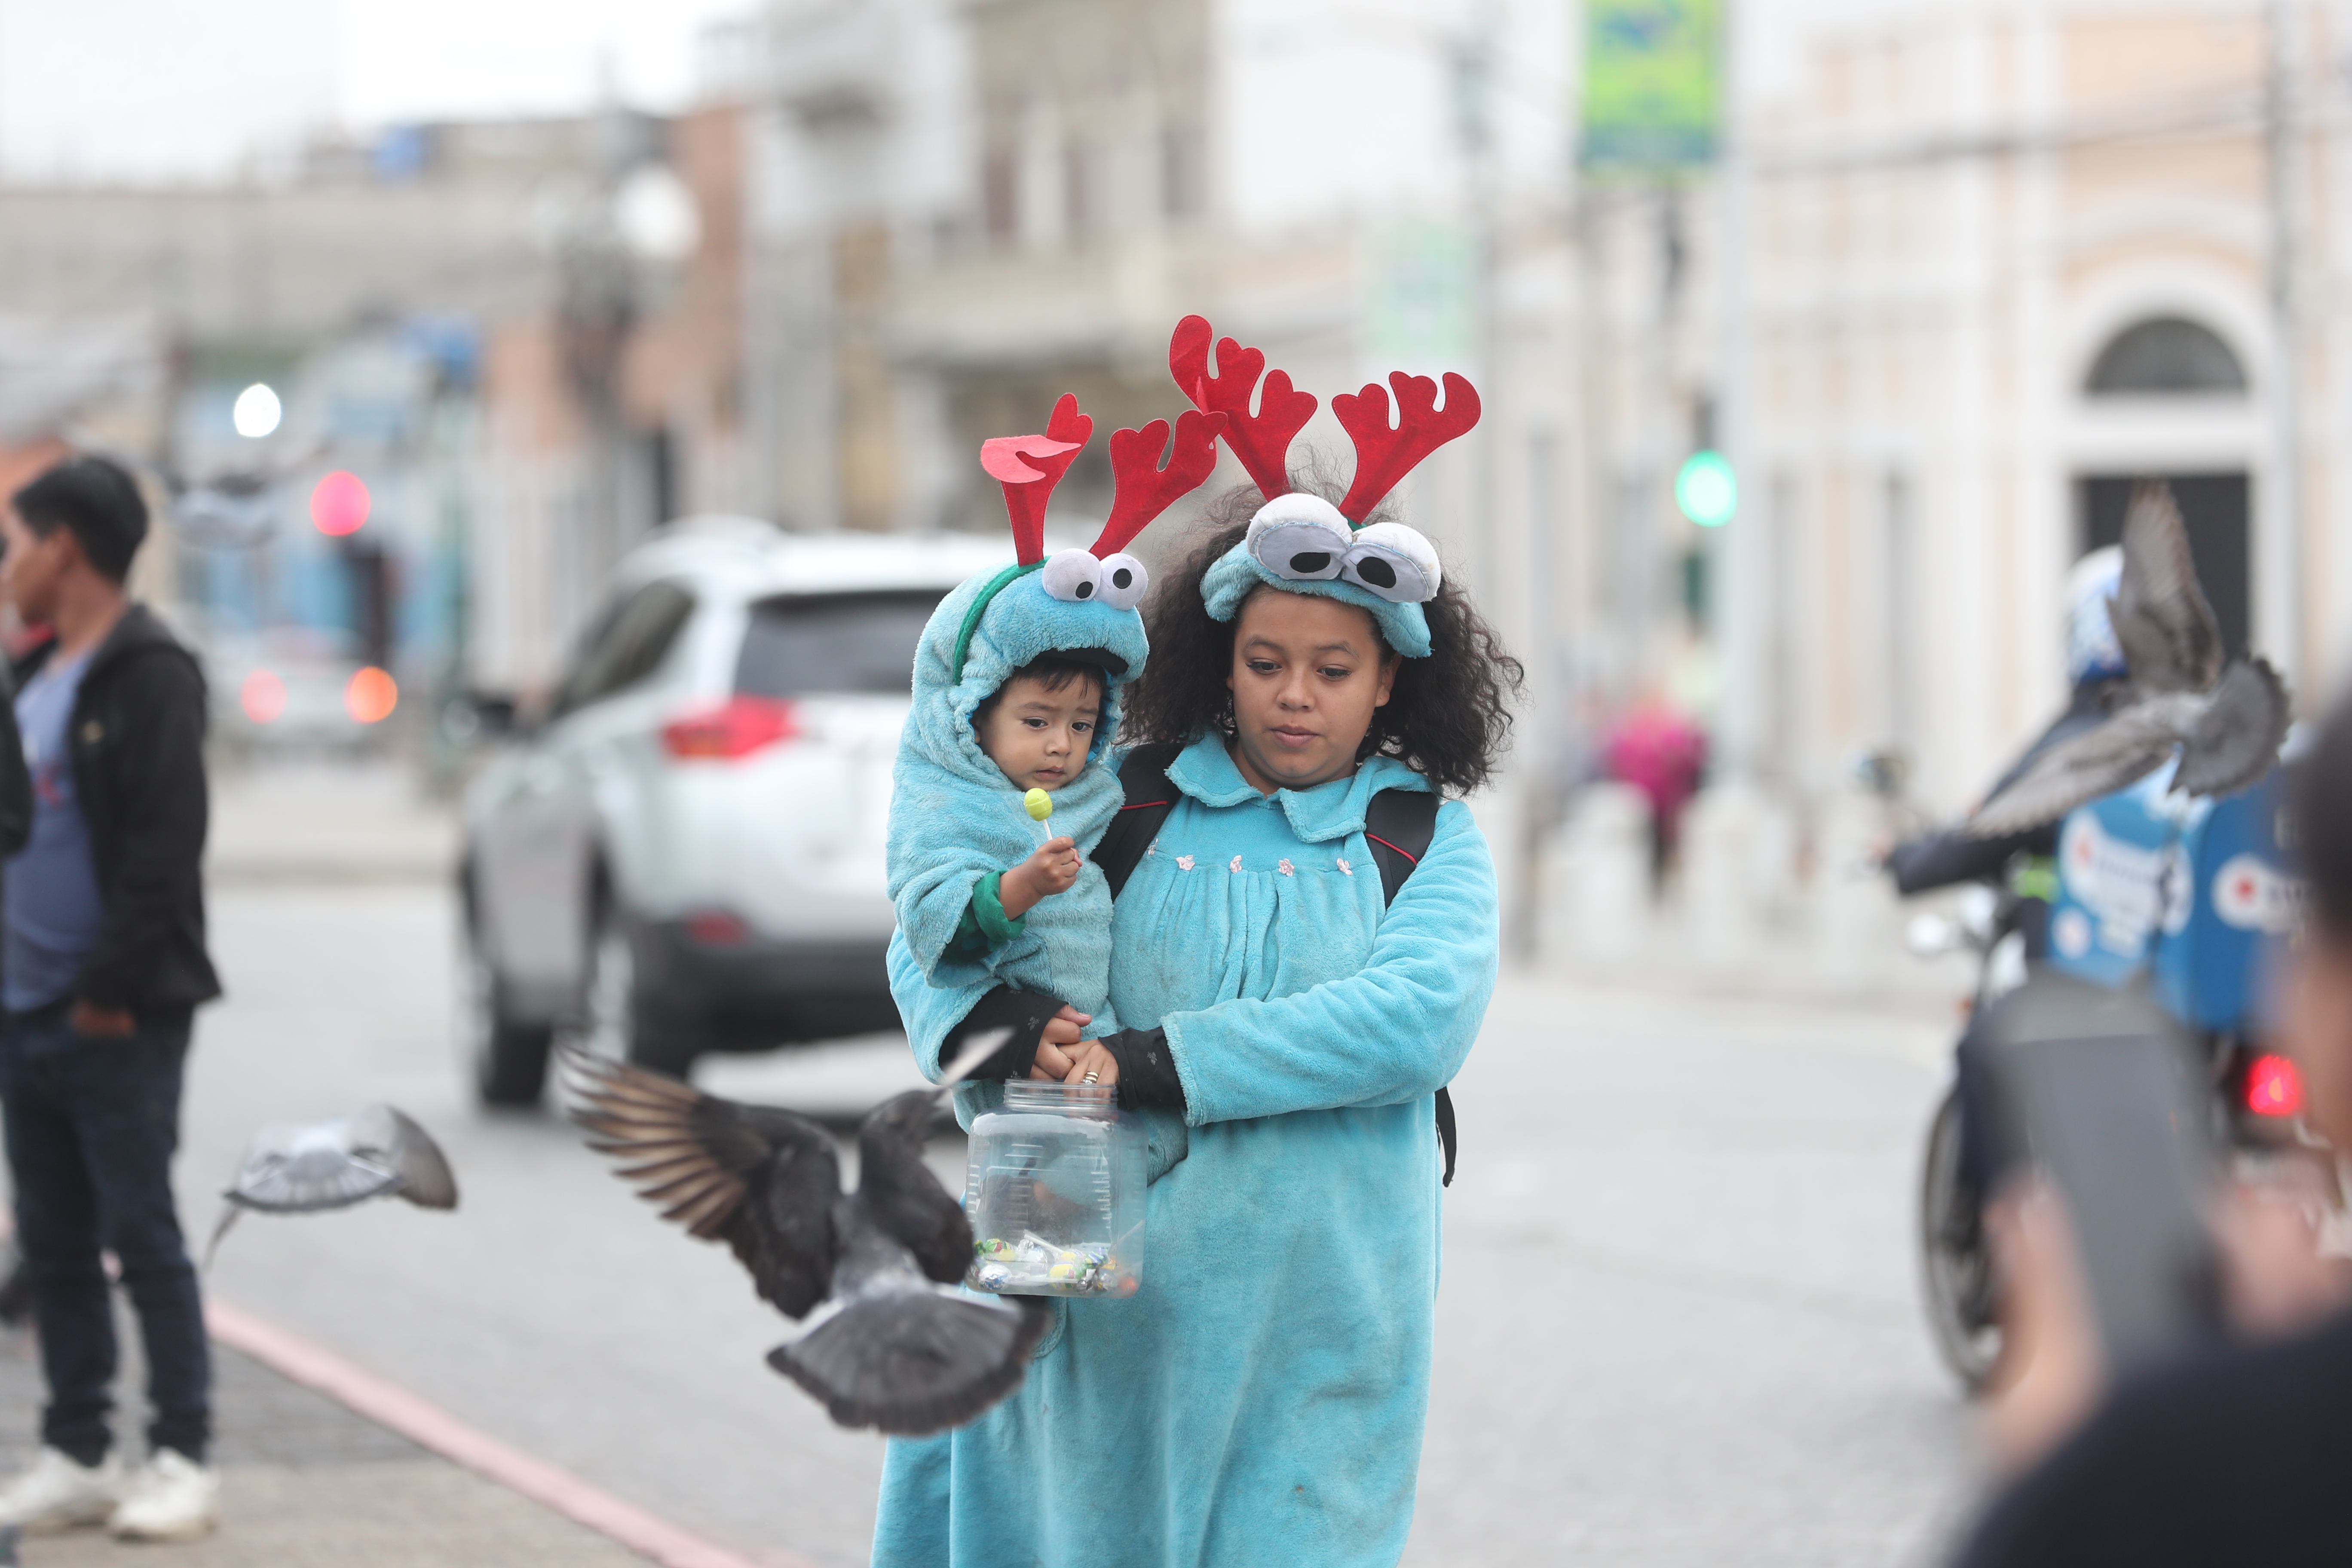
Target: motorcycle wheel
1956	1261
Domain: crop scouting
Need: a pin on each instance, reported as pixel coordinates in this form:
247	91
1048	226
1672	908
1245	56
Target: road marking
428	1425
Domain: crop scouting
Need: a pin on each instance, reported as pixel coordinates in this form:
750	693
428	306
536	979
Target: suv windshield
815	644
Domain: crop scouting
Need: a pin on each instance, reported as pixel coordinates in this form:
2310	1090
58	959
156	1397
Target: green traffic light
1705	489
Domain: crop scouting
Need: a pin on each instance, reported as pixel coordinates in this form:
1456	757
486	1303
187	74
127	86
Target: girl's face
1307	674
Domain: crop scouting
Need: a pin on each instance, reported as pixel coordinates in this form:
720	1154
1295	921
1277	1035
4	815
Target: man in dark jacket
105	964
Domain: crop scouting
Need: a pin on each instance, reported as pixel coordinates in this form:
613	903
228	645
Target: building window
1077	189
999	196
2165	356
1180	171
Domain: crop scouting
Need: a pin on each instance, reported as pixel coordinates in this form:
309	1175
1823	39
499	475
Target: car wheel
619	1021
507	1059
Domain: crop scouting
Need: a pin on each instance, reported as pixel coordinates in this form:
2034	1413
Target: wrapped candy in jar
1054	1193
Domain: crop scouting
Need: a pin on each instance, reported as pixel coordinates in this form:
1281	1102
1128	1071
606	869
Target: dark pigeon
891	1342
2226	724
321	1165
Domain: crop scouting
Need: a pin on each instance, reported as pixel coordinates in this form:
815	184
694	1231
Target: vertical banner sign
1653	80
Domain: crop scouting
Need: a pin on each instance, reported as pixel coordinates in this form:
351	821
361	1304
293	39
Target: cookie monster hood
954	816
1020	621
1302	543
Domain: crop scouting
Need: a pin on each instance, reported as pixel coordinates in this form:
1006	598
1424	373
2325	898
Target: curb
431	1427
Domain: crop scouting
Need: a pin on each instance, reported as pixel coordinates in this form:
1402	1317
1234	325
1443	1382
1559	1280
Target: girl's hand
1058	1046
1092	1057
1052	869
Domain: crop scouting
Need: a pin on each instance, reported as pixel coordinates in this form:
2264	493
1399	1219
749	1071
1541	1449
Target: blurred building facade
962	210
1976	267
514	333
1981	263
1997	260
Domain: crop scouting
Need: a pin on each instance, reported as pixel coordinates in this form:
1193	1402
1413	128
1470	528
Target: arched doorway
2180	362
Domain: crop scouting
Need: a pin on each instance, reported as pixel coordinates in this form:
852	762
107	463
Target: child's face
1038	736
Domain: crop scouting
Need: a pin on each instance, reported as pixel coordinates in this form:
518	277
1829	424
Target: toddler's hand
1054	866
1050	871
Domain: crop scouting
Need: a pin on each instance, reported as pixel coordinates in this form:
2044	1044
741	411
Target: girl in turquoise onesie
1261	1400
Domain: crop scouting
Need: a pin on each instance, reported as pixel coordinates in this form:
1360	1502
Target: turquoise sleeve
985	927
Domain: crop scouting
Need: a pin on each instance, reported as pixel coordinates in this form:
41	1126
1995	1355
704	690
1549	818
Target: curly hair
1448	718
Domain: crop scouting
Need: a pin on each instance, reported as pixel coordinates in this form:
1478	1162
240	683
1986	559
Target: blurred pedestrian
104	965
2239	1455
1659	751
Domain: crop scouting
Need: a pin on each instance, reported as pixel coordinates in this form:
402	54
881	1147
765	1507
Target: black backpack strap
1149	798
1399	825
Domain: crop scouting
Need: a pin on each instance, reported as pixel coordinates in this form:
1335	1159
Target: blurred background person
2240	1455
1661	750
105	964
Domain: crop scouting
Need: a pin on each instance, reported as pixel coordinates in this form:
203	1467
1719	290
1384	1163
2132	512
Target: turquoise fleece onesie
955	817
1261	1399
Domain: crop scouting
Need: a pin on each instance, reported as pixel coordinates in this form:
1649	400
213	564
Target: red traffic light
338	503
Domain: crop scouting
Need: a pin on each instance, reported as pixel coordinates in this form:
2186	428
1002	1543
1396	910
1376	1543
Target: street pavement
309	1485
1677	1325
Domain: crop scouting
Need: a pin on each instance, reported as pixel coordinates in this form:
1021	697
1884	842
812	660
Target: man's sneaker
172	1498
57	1493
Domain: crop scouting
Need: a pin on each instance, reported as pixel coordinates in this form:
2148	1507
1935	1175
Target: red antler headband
1385	456
1262	441
1303	537
1029	467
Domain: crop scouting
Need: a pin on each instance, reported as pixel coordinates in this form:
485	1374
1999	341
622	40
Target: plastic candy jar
1054	1193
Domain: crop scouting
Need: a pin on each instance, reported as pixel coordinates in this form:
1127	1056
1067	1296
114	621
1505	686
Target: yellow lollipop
1039	806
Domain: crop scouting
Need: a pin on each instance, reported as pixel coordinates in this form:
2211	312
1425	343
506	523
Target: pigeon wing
2131	744
760	1179
2237	738
914	1362
389	1136
2171	641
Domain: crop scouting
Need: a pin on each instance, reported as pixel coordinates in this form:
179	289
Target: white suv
687	854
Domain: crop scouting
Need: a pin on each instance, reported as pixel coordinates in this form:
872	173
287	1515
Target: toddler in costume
1016	688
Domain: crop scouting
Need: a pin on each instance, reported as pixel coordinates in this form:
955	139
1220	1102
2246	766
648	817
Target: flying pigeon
890	1343
2226	724
332	1164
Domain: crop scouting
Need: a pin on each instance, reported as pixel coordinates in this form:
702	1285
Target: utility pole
2284	514
1473	123
1743	606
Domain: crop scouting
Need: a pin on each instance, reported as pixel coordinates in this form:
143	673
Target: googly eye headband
1301	542
1029	467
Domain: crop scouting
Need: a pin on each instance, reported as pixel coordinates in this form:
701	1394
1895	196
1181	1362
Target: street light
1706	489
257	413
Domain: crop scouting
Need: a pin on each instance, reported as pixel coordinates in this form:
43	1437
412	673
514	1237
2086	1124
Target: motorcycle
2187	898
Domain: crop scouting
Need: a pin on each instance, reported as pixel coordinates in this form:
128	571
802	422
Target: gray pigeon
2226	724
375	1153
890	1343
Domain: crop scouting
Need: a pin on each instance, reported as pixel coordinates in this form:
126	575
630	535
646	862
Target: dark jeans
92	1125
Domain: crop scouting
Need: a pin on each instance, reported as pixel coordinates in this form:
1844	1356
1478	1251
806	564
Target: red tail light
736	728
717	928
2273	1087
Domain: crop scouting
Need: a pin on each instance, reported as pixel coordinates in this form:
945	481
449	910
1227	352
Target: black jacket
136	742
15	781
